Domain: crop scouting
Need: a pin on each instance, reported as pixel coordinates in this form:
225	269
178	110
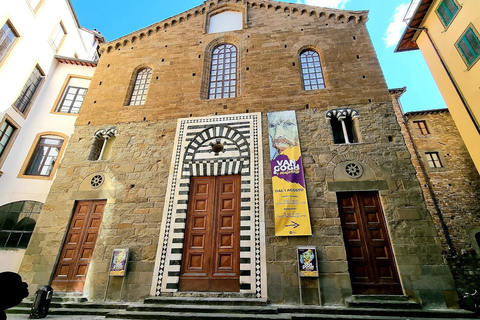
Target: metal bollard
41	304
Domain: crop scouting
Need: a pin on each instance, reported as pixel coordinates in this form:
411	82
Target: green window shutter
469	46
451	6
447	10
473	41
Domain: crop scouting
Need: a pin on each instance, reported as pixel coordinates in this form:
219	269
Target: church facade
170	159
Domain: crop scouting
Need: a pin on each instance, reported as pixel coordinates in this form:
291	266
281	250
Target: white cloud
396	27
339	4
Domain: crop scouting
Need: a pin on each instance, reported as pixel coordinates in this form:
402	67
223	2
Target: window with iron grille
312	73
17	221
140	88
8	36
57	36
29	89
422	127
72	100
433	160
44	156
6	132
446	11
469	46
223	72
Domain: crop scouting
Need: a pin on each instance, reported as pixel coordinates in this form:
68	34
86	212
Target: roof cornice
407	41
75	61
421	112
207	6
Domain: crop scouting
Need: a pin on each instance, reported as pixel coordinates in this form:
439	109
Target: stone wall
269	80
451	192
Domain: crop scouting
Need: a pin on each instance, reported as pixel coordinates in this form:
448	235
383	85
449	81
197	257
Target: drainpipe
450	76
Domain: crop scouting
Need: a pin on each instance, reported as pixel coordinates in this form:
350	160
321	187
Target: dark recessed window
312	73
469	46
29	89
446	11
343	125
342	128
72	100
140	88
6	132
17	221
422	126
223	72
45	155
8	36
433	160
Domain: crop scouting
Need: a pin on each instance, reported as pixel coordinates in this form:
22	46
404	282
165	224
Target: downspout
452	80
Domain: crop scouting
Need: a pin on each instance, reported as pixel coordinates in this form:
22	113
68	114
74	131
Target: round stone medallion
97	181
353	170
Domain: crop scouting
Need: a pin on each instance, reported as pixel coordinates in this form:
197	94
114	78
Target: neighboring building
170	159
46	63
447	33
451	187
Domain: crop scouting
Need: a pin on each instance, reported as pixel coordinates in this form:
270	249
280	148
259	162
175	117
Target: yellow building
447	33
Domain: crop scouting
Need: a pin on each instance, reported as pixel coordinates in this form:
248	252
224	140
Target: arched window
223	72
140	88
312	73
17	221
102	146
343	125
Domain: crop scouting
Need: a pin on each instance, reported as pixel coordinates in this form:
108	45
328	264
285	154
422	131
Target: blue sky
116	18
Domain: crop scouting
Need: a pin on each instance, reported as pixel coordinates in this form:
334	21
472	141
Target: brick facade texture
178	51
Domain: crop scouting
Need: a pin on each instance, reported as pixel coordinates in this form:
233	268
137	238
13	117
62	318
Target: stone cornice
335	15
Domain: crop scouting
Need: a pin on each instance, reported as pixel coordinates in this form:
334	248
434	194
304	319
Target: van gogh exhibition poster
288	182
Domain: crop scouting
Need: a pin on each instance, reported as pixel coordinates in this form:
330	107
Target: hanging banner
288	182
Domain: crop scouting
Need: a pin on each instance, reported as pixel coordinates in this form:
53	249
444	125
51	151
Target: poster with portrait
290	197
118	264
307	261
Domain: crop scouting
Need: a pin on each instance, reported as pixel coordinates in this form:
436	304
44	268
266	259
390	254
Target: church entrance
78	247
211	250
369	252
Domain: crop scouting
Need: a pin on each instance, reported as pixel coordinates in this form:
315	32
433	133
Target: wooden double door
78	247
211	250
369	253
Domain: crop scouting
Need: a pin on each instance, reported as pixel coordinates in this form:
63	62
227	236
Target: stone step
381	302
63	311
69	296
359	317
192	315
207	301
376	297
172	308
307	312
79	305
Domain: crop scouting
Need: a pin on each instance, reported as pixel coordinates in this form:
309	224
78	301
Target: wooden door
369	252
211	250
77	250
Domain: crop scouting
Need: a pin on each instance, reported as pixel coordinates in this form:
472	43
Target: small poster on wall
118	265
307	261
